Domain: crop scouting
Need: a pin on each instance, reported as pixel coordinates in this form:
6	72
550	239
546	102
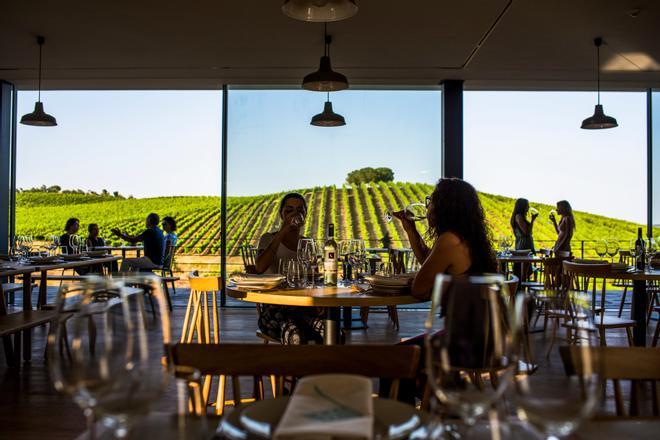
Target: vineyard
357	211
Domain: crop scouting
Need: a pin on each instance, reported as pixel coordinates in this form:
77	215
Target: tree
369	174
54	189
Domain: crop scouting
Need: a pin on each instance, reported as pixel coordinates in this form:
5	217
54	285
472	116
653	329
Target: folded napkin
400	280
333	406
246	278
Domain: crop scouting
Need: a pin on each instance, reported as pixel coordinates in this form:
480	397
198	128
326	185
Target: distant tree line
56	189
368	174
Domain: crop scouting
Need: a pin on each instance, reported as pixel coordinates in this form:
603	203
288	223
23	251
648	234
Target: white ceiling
200	44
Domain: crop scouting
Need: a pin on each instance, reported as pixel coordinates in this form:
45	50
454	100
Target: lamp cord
598	71
326	46
39	91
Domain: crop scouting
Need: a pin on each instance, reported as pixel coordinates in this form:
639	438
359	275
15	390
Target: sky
518	144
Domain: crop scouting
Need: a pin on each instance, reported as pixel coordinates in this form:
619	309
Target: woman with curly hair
457	228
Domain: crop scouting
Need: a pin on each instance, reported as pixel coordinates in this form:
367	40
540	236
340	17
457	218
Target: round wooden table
330	298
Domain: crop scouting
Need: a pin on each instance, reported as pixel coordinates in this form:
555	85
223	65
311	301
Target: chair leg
553	336
656	335
394	316
364	314
629	332
220	399
654	298
603	340
623	300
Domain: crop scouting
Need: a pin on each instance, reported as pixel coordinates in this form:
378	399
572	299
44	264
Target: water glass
601	248
612	248
295	274
469	341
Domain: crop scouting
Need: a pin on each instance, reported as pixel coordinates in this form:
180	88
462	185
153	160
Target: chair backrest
249	255
378	361
168	261
553	272
583	272
621	363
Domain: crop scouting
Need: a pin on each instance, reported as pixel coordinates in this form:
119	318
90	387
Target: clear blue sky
519	144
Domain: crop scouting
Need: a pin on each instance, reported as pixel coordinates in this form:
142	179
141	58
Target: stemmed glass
74	242
108	347
612	248
295	274
415	212
307	257
651	249
469	341
555	404
357	256
601	248
54	244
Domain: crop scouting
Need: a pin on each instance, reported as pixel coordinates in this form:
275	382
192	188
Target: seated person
93	239
291	325
70	228
154	246
461	245
169	226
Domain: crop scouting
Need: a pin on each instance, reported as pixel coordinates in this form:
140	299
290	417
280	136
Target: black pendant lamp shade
39	117
328	118
599	120
319	10
325	79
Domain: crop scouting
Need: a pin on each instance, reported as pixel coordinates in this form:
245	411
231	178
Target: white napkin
244	279
401	280
333	406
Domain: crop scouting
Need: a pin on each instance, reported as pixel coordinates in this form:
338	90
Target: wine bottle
330	258
639	250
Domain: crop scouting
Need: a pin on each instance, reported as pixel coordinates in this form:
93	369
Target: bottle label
330	267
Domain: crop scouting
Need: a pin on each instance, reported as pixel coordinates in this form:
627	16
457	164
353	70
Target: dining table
123	249
166	426
15	268
330	298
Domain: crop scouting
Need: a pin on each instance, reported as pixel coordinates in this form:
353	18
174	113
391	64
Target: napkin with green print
332	406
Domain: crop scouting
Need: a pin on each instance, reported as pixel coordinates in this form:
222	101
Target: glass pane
273	149
530	145
117	156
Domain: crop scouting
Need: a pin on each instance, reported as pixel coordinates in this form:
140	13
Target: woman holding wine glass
565	228
457	228
291	325
522	228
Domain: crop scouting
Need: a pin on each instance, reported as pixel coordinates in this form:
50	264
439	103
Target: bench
14	324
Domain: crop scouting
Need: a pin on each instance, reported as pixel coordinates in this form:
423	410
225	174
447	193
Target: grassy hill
357	211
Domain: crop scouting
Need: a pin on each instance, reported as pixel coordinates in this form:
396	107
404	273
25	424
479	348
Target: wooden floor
32	409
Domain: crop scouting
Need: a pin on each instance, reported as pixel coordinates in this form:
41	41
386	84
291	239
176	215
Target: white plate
392	419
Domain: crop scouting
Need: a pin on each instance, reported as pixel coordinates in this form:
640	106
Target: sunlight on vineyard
358	211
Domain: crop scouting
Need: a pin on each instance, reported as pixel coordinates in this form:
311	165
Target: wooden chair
553	286
622	363
625	258
201	321
575	271
249	255
393	362
166	269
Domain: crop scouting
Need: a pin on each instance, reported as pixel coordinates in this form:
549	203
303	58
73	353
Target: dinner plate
392	419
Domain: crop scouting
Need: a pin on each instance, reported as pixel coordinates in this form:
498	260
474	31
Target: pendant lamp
325	79
599	120
39	117
328	118
319	10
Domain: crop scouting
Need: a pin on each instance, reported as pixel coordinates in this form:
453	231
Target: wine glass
601	248
552	215
612	248
415	212
469	341
109	347
74	243
356	256
651	249
556	403
533	212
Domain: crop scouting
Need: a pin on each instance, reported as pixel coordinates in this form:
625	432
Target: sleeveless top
523	241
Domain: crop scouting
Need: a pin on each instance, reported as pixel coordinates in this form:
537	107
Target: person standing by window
522	228
565	228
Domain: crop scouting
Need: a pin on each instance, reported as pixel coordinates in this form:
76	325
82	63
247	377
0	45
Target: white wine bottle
330	258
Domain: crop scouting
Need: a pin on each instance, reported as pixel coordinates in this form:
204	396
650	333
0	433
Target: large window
530	145
274	149
117	156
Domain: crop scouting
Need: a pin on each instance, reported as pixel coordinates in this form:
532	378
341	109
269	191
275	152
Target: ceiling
201	44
